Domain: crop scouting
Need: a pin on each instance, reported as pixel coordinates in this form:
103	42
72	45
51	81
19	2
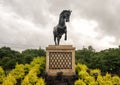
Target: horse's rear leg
55	40
58	40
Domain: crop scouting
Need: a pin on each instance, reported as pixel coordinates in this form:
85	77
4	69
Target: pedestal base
60	58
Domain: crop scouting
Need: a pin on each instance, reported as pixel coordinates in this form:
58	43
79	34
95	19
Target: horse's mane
64	12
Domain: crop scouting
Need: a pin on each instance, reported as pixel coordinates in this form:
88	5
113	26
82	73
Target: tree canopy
9	57
107	60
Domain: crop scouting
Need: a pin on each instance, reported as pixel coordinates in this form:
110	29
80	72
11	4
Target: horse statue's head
66	14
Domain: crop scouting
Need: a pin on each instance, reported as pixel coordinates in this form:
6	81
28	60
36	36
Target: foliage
40	82
115	80
83	74
9	57
2	74
81	67
9	80
89	78
18	72
79	82
29	54
95	72
27	74
32	77
26	67
107	60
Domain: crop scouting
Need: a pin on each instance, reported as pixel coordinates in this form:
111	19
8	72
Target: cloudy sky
29	23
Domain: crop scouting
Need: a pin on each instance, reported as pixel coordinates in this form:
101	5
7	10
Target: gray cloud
30	23
105	12
36	11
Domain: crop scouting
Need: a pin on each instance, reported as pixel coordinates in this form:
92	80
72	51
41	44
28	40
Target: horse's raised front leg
66	35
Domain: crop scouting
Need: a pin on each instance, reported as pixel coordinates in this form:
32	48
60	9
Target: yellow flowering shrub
89	79
107	77
31	78
93	83
40	81
2	74
27	68
116	80
25	74
81	67
38	60
95	72
9	80
83	74
94	77
100	79
18	72
79	82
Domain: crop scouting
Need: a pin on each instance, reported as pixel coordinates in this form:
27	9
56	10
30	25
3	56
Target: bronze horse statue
61	28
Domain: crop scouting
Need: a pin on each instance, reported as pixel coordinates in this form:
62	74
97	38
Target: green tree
8	58
29	54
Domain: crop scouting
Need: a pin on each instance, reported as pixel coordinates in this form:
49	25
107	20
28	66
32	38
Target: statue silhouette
61	28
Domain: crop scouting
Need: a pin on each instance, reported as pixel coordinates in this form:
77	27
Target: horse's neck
61	21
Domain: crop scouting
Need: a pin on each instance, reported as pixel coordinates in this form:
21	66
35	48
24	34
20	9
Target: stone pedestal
60	58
